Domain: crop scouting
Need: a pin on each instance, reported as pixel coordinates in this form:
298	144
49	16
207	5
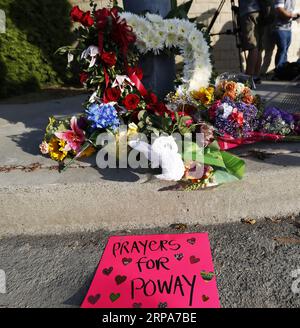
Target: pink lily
74	137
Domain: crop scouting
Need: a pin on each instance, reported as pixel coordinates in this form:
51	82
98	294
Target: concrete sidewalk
36	199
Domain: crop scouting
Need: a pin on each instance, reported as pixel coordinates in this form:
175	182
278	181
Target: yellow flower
204	95
57	149
132	130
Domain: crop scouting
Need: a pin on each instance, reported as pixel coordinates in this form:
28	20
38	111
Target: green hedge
35	30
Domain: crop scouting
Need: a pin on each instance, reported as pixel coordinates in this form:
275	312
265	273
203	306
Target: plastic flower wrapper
181	98
240	78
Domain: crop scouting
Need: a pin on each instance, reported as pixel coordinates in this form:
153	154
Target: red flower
137	71
87	20
160	109
109	58
152	98
237	117
83	77
76	14
112	95
131	101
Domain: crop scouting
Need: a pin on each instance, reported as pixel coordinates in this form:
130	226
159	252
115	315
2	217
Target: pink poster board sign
155	271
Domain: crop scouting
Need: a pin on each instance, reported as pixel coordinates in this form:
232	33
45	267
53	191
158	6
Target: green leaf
222	177
181	11
213	157
192	151
234	164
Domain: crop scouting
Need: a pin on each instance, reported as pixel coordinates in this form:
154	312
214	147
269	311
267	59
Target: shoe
257	80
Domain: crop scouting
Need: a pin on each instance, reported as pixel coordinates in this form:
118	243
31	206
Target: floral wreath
155	34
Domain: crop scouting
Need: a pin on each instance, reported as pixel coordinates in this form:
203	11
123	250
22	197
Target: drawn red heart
120	279
126	261
178	257
192	241
94	299
108	271
194	259
205	298
137	305
162	305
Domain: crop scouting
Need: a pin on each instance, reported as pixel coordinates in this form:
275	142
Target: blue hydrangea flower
103	116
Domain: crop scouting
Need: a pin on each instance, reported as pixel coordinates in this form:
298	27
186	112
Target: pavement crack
36	166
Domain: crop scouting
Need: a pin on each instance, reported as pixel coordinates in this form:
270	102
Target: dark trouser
283	40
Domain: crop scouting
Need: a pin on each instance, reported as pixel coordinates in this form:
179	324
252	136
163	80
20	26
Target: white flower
194	38
154	34
240	88
185	28
155	42
163	153
70	58
144	26
156	19
227	110
170	160
121	82
171	39
94	97
171	26
131	19
91	52
141	46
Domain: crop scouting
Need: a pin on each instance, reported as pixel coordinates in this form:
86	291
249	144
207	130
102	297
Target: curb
74	207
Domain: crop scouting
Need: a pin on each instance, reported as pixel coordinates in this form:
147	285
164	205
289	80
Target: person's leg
268	44
258	63
288	40
252	61
258	34
250	38
283	41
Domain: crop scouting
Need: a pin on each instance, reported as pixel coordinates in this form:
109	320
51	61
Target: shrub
35	30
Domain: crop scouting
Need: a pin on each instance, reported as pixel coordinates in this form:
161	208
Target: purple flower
226	124
277	121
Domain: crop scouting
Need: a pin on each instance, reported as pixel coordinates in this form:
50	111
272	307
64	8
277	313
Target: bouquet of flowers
276	121
107	53
235	118
235	91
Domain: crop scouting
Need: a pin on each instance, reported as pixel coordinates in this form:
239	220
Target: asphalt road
254	265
